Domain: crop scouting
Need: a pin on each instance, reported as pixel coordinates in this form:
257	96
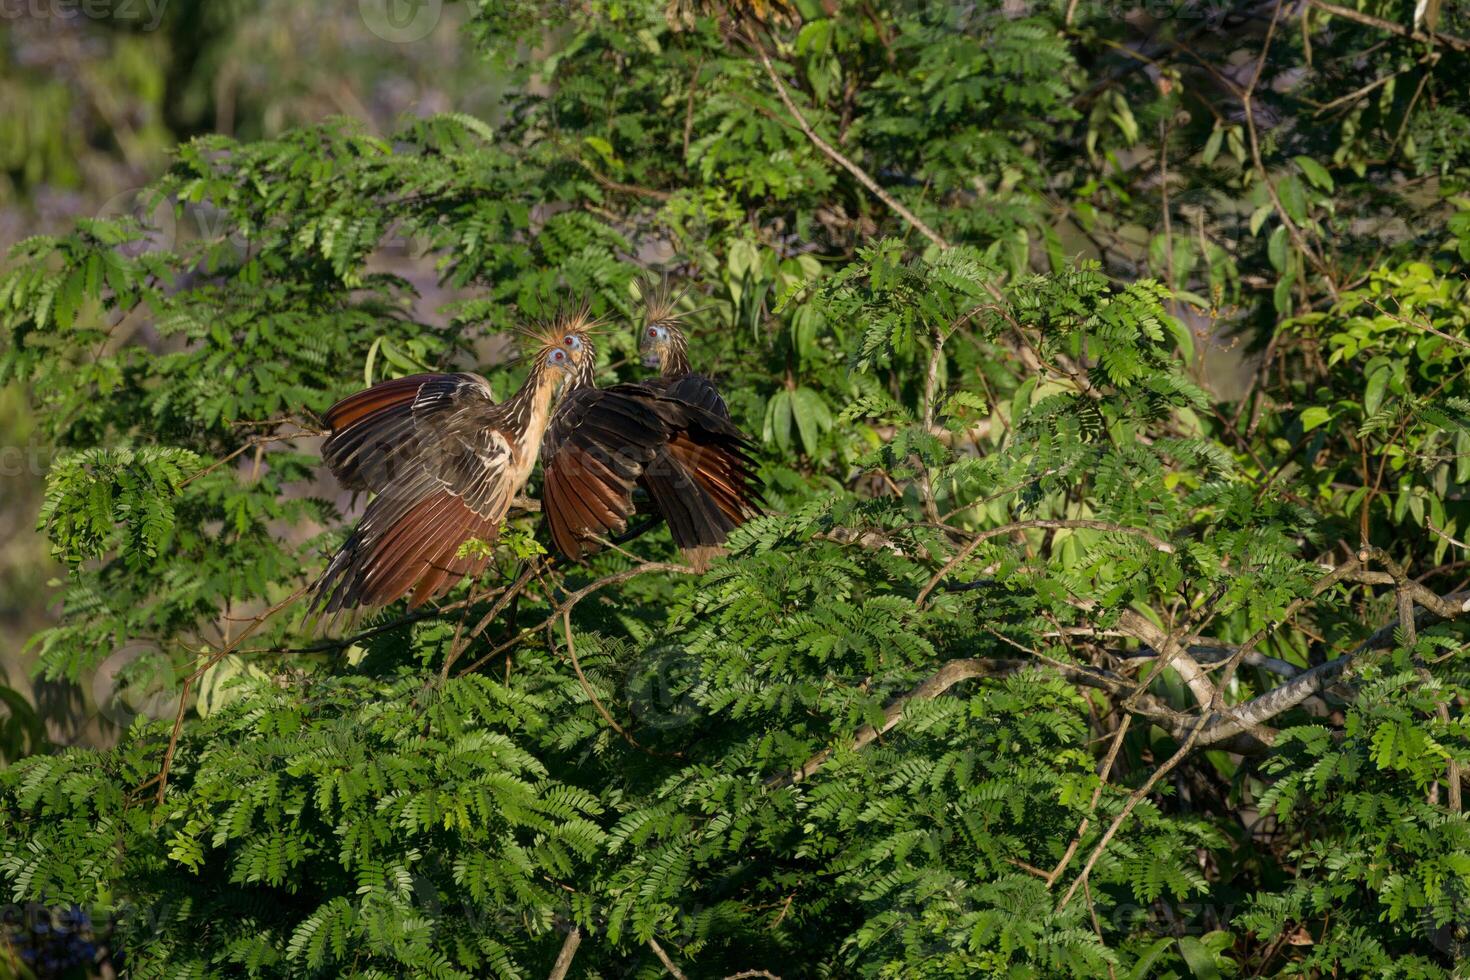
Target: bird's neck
528	409
676	356
584	375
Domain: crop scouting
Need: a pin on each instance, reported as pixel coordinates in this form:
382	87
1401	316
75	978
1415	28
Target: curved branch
852	168
1272	703
1368	20
576	597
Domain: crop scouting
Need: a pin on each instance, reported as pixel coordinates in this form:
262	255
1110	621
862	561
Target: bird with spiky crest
443	460
663	345
696	467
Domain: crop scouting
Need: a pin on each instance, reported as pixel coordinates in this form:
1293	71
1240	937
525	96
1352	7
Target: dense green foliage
1032	546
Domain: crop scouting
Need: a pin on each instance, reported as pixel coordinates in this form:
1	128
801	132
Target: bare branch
1188	743
1368	20
845	163
564	958
1272	703
614	579
663	958
566	625
955	671
216	657
1172	653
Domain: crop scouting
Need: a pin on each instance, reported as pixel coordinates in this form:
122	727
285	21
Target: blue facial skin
653	339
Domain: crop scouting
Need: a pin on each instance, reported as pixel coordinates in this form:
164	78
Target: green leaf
777	427
1315	416
1199	958
1315	172
1212	145
1377	384
1276	248
1259	216
1293	199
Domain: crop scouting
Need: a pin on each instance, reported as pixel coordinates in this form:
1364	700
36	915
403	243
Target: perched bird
662	345
693	463
444	461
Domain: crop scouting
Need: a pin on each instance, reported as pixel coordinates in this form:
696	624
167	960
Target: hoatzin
444	461
694	464
662	345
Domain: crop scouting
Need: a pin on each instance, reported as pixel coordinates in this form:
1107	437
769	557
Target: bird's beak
651	359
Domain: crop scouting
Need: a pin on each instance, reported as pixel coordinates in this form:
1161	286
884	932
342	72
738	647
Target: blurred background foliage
91	108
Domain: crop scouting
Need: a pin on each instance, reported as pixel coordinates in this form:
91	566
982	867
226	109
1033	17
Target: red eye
569	341
652	332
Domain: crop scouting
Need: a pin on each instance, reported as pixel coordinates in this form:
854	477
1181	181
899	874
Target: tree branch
1172	653
564	958
955	671
663	958
576	597
844	162
1188	743
1368	20
216	657
1272	703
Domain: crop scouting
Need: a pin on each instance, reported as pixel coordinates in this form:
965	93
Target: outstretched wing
430	447
705	483
694	464
596	447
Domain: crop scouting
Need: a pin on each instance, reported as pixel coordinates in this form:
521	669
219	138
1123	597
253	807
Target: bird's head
660	339
653	346
564	345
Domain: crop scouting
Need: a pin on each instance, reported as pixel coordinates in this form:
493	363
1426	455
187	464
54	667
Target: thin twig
1454	541
458	649
1368	20
566	625
1188	743
254	442
576	597
226	650
689	107
1103	773
955	671
852	168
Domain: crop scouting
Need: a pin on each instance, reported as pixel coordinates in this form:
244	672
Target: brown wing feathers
709	452
415	555
596	447
438	454
726	475
694	465
428	446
